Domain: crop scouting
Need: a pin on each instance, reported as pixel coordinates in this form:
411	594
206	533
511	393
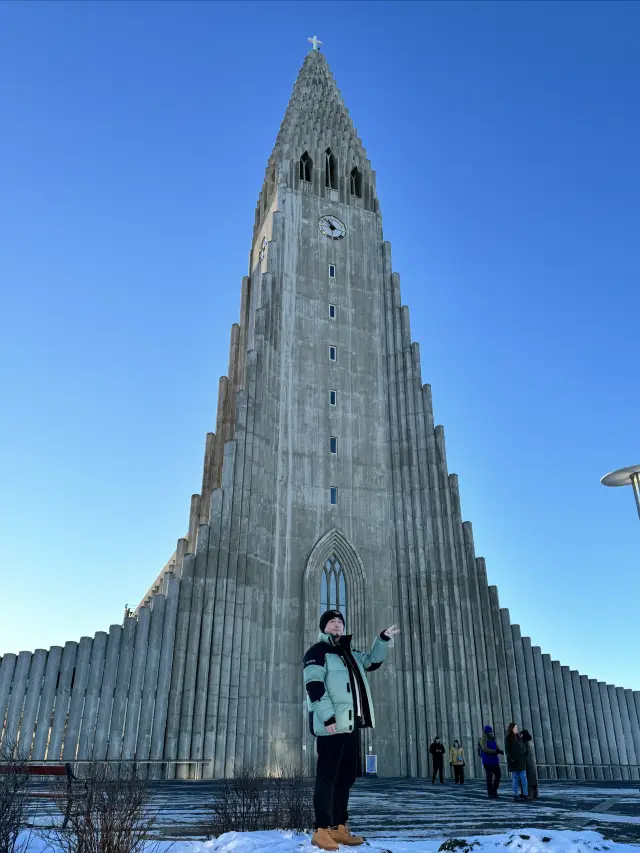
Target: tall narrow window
332	354
332	312
333	588
306	165
332	270
332	398
356	182
329	170
333	444
333	496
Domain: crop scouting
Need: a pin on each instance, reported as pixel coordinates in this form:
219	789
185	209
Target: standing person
456	760
517	762
437	760
339	704
532	770
490	754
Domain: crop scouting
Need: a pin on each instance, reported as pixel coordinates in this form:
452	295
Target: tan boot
343	836
322	838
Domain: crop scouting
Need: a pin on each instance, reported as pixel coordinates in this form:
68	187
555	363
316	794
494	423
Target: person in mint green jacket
339	703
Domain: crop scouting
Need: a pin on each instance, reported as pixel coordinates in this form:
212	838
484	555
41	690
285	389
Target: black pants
493	778
438	767
336	773
458	773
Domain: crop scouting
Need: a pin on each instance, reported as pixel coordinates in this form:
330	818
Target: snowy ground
416	813
514	841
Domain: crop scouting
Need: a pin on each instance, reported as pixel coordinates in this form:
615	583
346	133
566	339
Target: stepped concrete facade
325	484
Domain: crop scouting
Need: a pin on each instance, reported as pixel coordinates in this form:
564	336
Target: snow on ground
514	841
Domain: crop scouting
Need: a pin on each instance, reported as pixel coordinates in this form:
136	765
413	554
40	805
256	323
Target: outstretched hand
391	632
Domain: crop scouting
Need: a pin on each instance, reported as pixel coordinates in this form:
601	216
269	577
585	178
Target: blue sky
134	140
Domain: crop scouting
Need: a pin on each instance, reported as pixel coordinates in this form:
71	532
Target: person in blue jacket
490	753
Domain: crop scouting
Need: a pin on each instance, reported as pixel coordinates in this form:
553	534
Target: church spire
317	147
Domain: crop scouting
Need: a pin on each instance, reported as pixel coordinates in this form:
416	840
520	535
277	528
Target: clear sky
133	143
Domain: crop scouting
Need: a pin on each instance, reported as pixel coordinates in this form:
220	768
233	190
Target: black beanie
330	614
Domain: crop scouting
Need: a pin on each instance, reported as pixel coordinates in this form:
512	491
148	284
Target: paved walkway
414	808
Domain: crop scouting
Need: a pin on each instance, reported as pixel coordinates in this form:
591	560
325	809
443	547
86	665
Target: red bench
37	769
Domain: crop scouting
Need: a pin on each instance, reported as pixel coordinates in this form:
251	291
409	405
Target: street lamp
625	477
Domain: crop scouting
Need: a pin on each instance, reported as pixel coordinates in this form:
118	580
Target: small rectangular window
332	271
333	496
333	444
332	354
332	398
332	312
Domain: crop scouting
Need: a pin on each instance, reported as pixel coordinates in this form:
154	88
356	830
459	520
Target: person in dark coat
532	770
437	759
517	762
490	753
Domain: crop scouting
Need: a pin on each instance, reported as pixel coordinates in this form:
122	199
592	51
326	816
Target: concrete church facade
325	484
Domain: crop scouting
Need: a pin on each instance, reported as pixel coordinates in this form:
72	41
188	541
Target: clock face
263	248
332	227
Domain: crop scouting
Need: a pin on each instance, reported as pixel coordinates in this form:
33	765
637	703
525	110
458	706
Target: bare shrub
111	814
253	800
13	800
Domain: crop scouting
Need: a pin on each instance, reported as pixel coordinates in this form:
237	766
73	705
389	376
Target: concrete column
407	721
501	654
420	539
601	729
245	713
123	681
150	683
92	697
478	629
219	674
78	688
61	704
515	709
534	705
14	709
521	675
179	655
31	702
609	732
618	732
574	722
135	685
545	716
474	720
554	714
206	629
490	644
193	643
592	728
6	676
164	672
194	520
635	727
237	731
107	693
628	735
207	479
45	708
583	729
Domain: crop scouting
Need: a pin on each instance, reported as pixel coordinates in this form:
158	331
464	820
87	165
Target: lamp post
625	477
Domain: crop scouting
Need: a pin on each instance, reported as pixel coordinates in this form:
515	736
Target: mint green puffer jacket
336	683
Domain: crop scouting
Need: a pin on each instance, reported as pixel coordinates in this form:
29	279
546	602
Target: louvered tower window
356	182
306	166
329	170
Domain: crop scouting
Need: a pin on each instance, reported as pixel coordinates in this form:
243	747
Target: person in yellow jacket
456	760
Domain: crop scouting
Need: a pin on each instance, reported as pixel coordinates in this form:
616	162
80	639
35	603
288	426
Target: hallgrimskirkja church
325	484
